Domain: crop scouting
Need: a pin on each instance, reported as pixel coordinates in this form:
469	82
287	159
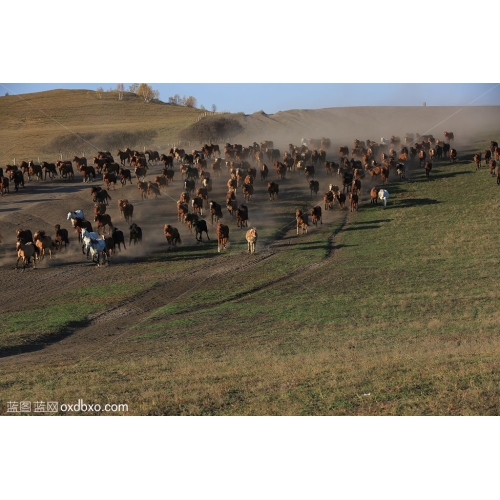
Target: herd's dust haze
43	204
343	125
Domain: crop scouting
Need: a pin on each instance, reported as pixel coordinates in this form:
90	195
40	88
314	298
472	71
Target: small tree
191	102
145	91
214	108
133	88
176	99
99	91
120	88
156	95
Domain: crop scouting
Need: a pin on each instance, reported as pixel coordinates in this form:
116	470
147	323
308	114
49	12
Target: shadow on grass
205	250
468	156
45	340
393	189
439	175
378	221
319	246
413	202
372	226
341	245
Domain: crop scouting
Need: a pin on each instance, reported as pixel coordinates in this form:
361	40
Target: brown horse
103	220
44	243
477	160
87	172
222	236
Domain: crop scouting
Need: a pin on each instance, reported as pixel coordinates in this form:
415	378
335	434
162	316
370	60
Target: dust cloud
41	205
343	125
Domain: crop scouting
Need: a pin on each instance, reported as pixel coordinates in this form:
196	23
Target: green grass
60	315
401	321
410	318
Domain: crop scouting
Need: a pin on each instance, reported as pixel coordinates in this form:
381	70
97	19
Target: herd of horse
242	164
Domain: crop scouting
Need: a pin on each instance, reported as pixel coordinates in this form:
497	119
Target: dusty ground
43	204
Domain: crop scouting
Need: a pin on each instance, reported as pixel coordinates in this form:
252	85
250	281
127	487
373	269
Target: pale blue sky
324	46
273	97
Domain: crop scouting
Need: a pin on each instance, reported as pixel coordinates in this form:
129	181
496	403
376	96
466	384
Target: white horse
87	237
77	214
383	195
94	246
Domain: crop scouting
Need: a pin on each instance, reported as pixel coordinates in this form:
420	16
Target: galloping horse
95	247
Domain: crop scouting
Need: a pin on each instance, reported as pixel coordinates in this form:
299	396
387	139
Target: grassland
403	320
382	312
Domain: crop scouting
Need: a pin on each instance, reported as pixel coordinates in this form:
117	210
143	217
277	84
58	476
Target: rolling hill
31	123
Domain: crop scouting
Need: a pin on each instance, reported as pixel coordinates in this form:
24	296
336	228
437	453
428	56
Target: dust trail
458	111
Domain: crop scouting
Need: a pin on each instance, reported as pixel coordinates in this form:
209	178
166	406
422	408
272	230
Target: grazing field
383	311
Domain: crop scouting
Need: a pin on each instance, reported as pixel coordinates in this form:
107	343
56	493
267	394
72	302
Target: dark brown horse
103	220
87	171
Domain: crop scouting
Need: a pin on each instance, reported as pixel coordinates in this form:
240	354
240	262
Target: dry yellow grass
31	121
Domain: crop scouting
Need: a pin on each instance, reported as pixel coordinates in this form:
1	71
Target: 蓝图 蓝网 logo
35	407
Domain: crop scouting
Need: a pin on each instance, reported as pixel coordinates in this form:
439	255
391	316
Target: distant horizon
271	98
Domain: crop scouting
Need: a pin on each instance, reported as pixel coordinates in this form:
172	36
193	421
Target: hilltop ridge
31	121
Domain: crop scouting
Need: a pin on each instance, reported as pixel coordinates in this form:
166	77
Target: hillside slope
31	122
